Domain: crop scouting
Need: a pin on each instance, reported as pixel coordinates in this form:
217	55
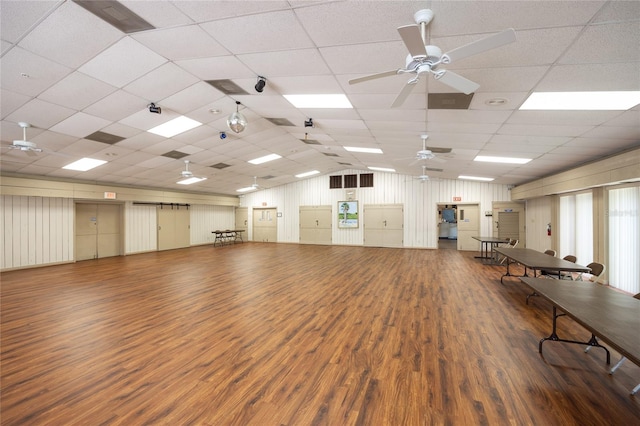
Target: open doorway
447	226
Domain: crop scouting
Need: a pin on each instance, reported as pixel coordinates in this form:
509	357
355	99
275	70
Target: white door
98	231
468	226
315	225
383	225
265	226
174	223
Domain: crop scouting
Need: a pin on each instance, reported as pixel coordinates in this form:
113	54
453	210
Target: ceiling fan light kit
24	144
236	121
425	58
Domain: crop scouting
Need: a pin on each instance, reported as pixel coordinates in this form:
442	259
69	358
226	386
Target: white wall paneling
141	228
36	231
419	199
538	216
205	219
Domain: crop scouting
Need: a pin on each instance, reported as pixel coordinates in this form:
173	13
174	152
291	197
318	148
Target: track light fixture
260	84
236	121
154	109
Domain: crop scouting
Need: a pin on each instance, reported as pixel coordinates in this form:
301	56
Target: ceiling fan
24	145
187	175
423	177
427	153
424	58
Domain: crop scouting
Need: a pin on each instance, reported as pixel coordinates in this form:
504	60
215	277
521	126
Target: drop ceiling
71	74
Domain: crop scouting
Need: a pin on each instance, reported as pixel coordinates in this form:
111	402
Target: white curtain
576	227
624	239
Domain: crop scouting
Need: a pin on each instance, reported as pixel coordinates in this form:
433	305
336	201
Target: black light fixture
308	123
154	109
236	121
260	84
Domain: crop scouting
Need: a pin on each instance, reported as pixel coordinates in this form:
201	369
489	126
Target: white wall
205	219
419	199
36	231
140	228
537	217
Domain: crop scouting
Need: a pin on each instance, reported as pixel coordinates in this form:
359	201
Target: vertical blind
576	227
624	238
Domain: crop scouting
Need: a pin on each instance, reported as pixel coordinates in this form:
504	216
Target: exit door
265	227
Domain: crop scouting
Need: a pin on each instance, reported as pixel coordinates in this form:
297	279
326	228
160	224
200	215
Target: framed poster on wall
347	214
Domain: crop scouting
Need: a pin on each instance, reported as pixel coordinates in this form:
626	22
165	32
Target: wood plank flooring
285	334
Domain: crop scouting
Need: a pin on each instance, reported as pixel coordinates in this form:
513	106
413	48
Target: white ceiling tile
271	31
604	43
618	11
160	14
107	66
167	80
17	18
184	42
10	101
568	118
29	74
365	59
40	113
117	106
220	67
201	11
195	96
513	100
629	133
62	36
80	125
591	77
286	63
537	130
77	91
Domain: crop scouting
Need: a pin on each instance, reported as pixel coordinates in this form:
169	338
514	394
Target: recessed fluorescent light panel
307	174
246	189
367	150
507	160
319	101
483	179
265	159
191	180
582	101
175	127
382	169
84	164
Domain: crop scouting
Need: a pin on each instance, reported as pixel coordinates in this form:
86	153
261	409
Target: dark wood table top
534	259
612	316
491	239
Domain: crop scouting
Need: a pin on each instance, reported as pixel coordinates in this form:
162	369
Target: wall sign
457	198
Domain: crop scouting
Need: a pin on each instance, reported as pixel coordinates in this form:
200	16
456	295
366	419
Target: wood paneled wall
419	199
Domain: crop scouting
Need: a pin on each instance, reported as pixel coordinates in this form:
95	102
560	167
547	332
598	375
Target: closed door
265	227
242	219
98	231
383	225
468	226
315	225
174	223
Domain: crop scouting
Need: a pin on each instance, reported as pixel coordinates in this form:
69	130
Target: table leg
554	336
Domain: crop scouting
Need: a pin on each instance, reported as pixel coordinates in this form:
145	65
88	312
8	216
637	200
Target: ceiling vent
220	166
330	154
227	87
174	154
116	14
104	137
311	141
449	100
280	121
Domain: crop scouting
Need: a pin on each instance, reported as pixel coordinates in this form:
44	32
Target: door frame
121	218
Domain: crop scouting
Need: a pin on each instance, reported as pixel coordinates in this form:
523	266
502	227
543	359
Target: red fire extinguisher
548	229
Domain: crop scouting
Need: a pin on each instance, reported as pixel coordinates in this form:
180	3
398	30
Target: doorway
98	230
265	226
315	225
383	225
448	226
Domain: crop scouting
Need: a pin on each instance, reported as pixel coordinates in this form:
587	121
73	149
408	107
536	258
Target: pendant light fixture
236	121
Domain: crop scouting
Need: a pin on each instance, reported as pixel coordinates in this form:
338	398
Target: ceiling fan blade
413	40
373	76
456	81
402	96
479	46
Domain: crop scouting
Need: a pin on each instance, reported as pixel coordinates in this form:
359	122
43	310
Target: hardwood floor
285	334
